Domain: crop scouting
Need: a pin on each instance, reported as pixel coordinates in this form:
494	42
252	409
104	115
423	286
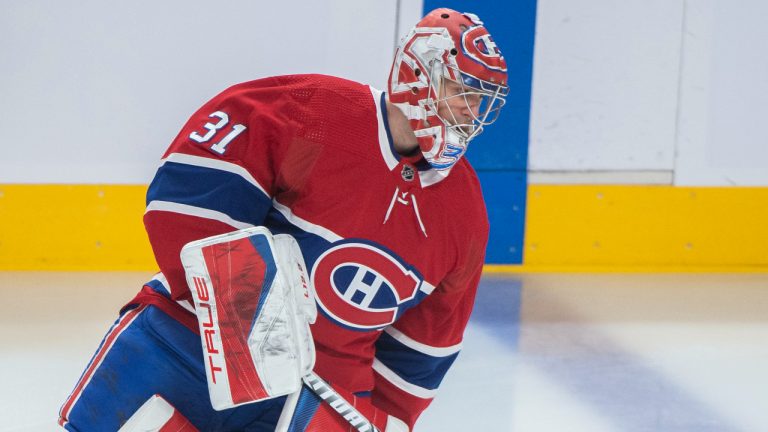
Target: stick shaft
345	409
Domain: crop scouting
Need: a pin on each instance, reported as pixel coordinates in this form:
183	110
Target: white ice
543	352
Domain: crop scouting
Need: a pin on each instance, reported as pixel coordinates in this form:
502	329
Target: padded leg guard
157	415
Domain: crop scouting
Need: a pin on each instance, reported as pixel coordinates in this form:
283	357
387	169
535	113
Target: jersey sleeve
218	175
414	354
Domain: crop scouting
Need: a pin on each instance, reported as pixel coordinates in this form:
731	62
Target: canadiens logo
361	286
478	45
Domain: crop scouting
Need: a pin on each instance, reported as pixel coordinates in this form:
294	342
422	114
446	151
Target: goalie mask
450	80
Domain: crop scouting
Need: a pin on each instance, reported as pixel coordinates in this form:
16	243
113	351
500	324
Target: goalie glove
254	305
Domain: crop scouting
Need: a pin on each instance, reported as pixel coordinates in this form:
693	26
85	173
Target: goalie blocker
254	305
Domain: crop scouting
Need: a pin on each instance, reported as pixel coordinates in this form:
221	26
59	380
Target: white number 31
213	128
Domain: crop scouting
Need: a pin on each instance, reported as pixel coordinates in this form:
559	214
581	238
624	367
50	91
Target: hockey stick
325	392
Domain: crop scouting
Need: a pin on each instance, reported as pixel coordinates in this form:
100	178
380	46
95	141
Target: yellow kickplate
651	227
73	227
568	228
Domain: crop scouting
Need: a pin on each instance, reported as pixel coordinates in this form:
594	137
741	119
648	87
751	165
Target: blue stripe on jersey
157	286
210	189
413	366
312	245
385	121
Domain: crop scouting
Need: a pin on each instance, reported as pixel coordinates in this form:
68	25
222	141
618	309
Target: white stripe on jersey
160	277
195	211
430	177
420	347
215	164
305	225
426	287
400	383
328	235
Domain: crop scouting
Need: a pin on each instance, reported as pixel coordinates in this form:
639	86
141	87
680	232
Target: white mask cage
481	100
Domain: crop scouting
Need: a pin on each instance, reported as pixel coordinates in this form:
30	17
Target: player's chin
458	124
464	129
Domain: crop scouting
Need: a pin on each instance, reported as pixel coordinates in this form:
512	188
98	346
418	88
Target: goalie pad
157	415
254	304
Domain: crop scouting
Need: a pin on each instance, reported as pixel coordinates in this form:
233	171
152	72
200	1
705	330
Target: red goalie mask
450	80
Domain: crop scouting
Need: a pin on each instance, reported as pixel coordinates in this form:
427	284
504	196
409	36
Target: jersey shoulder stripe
209	188
402	384
421	347
413	366
215	164
160	285
305	225
188	210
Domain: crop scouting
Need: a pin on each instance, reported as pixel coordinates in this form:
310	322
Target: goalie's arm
414	354
197	193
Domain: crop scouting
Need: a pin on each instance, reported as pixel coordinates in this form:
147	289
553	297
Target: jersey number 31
213	128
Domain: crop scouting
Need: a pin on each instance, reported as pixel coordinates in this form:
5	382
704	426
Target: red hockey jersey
395	249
